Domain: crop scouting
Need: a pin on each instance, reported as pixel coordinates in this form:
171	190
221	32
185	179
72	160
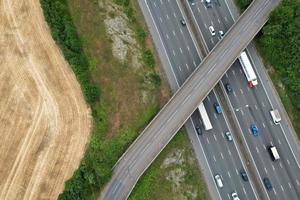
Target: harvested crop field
44	120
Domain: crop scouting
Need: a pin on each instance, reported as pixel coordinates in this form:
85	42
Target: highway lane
281	178
174	114
229	163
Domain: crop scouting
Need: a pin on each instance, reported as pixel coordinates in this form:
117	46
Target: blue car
218	108
254	129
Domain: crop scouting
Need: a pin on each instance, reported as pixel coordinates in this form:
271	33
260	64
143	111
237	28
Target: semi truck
248	69
204	117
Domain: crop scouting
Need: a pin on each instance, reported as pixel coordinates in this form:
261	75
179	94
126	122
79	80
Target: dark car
218	108
199	130
244	175
183	23
254	129
228	88
268	183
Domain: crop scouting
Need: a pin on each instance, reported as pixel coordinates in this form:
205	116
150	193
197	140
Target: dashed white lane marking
273	168
225	18
167	36
263	104
187	66
229	174
208	98
194	63
167	16
205	25
219	21
160	19
242	112
264	125
279	142
242	92
179	68
234	94
215	137
174	33
266	170
207	140
290	186
174	53
229	152
180	50
255	106
282	188
274	191
288	162
237	171
257	150
174	15
214	158
226	75
280	164
297	181
233	72
244	191
188	48
222	155
215	115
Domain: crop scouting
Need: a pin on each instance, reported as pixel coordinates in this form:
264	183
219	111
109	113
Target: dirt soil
44	120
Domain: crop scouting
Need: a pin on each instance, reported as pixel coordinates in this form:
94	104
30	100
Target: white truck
248	69
275	116
204	116
274	153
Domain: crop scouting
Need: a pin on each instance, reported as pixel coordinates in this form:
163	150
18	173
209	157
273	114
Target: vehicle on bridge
248	69
204	116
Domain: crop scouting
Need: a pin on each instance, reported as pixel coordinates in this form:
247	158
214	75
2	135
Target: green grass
154	183
129	97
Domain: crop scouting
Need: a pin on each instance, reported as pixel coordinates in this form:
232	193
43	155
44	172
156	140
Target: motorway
174	114
253	106
222	156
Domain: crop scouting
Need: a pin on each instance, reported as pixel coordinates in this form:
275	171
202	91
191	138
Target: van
275	116
218	180
273	153
212	30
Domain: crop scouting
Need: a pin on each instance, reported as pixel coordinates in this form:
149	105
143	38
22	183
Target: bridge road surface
221	156
283	174
174	114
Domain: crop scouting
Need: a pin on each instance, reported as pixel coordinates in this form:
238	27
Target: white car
234	196
219	180
221	34
212	30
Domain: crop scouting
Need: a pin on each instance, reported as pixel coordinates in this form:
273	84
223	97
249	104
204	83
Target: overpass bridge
174	114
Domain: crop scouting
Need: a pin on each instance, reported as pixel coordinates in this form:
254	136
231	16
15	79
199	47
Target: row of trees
64	33
280	44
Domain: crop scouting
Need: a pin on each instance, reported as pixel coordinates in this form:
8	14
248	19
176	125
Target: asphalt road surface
174	114
252	106
222	156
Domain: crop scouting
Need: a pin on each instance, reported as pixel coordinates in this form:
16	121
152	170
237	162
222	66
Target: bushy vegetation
64	33
279	42
95	168
156	182
243	4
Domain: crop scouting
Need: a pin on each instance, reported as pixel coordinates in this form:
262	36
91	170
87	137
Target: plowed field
44	120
